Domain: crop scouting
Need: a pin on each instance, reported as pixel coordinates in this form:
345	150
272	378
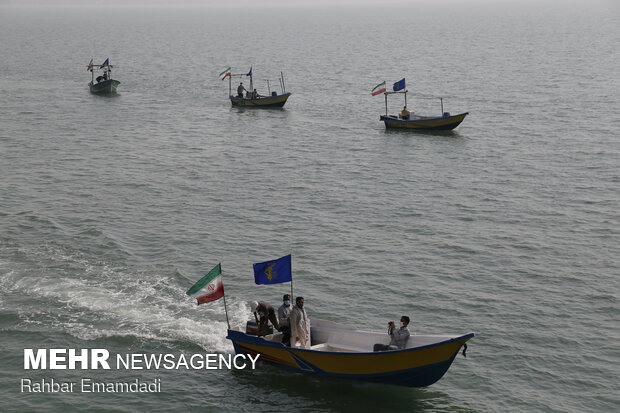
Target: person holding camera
399	337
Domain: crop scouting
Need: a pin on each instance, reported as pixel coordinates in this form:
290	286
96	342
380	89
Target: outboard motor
251	328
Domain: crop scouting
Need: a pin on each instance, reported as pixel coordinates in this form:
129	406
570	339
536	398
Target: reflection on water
282	389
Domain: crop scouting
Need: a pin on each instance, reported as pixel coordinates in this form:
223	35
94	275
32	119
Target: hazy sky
287	3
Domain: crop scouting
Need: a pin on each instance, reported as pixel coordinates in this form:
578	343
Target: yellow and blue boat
339	350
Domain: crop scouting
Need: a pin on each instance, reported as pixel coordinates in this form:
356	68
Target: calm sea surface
111	207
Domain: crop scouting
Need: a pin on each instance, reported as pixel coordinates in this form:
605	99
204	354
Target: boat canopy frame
241	75
106	70
404	92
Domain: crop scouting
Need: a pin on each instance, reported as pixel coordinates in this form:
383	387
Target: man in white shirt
300	325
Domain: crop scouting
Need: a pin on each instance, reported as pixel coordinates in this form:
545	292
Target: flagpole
385	104
225	307
292	278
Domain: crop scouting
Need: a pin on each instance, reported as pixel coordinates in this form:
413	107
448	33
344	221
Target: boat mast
230	84
441	105
282	82
225	307
386	103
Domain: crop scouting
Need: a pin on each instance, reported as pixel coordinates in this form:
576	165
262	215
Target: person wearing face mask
283	314
399	337
266	313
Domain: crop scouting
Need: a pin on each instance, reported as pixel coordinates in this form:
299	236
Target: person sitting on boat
240	90
405	113
399	337
266	313
283	317
300	325
255	94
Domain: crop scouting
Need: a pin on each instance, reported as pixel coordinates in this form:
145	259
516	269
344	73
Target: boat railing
243	75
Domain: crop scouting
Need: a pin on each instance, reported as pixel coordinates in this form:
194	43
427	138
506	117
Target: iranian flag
225	74
208	288
380	88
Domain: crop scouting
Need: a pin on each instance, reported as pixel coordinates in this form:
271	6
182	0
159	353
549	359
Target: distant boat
411	121
342	351
102	84
250	97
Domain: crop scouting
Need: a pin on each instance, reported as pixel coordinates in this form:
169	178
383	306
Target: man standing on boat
284	313
399	337
266	313
240	90
300	325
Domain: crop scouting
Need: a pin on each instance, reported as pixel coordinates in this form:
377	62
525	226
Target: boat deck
334	337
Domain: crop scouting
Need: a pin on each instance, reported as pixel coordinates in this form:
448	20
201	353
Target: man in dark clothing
240	90
266	313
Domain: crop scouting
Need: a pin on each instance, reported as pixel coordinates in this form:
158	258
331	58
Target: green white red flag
208	288
380	88
225	74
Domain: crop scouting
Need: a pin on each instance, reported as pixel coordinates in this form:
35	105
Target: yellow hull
414	367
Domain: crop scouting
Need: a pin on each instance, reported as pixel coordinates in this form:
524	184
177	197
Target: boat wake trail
58	288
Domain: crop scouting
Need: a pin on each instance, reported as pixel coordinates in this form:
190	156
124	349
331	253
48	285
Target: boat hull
104	87
263	102
424	123
412	367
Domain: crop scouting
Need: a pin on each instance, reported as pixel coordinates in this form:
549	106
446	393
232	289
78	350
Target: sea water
112	207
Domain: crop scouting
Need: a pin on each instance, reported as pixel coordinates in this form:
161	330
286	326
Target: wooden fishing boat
273	101
251	98
445	122
342	351
103	84
412	121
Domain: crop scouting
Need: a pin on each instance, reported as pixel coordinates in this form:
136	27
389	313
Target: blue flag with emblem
249	73
274	271
400	85
106	63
